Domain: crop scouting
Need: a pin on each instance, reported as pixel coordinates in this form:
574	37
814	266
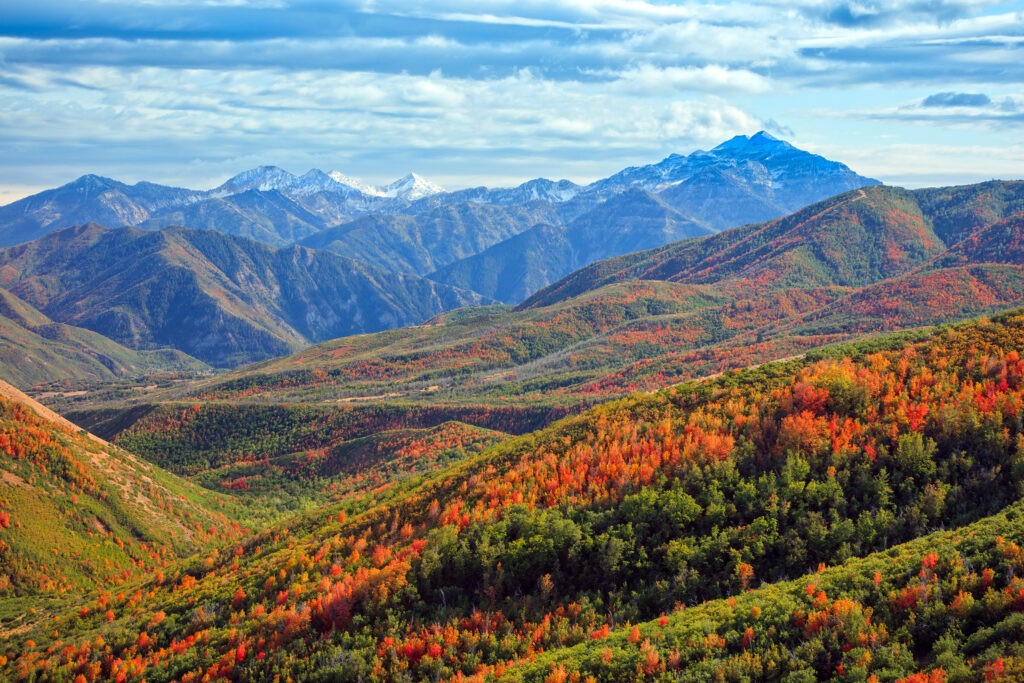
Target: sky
469	92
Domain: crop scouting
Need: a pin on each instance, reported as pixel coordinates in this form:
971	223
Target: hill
222	299
79	514
35	350
852	239
850	514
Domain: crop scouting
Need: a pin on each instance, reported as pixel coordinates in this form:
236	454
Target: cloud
651	79
365	123
473	90
950	110
875	13
956	99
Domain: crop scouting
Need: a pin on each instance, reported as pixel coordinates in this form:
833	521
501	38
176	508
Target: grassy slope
78	514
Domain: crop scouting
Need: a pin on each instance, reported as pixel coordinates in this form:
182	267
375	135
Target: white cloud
463	87
650	79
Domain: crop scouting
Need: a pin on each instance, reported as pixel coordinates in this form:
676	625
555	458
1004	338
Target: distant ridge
742	180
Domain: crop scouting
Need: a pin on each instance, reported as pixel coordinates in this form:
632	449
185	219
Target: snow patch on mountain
349	181
410	188
262	178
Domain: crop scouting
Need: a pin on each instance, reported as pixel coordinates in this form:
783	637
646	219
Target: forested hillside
770	523
78	514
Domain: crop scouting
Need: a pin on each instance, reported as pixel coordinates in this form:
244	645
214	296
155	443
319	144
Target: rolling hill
222	299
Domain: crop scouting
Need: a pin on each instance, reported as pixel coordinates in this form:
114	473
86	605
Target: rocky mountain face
223	299
774	171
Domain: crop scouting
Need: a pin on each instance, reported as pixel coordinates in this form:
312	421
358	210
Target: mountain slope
34	350
424	242
1001	242
81	514
740	181
518	267
267	216
515	268
219	298
90	198
653	537
852	239
724	200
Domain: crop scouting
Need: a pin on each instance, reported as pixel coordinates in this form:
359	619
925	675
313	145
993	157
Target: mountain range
401	252
790	449
402	226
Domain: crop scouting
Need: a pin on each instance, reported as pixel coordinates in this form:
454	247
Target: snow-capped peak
261	178
92	185
411	187
365	188
315	180
266	178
